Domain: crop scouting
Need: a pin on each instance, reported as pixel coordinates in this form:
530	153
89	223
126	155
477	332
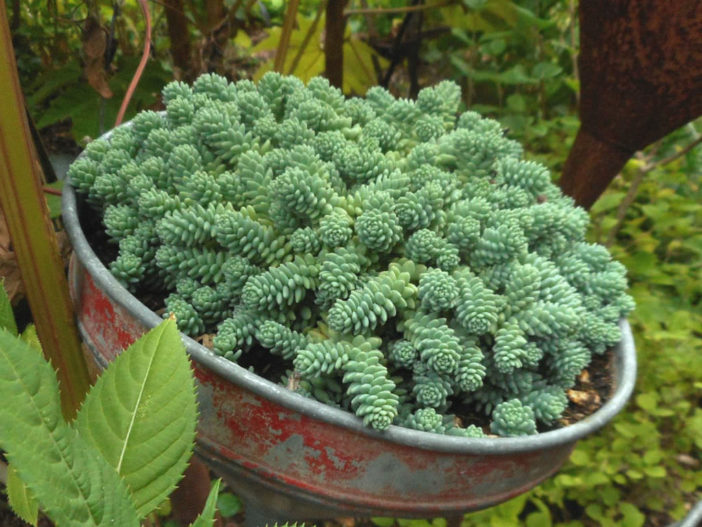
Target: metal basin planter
291	457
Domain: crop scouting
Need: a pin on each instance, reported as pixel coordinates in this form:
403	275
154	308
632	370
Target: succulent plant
402	258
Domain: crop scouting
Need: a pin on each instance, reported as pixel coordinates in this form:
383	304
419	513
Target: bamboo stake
33	235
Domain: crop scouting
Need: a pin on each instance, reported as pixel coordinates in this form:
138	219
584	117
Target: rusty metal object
640	67
291	457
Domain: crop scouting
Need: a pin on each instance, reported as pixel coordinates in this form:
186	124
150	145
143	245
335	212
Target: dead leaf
207	340
294	381
94	45
345	522
688	461
583	398
9	270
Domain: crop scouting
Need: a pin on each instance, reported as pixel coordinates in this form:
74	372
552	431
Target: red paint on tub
261	442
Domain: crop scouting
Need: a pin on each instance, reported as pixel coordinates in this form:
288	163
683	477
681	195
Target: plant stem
396	10
638	179
413	54
626	202
288	23
681	153
334	43
33	235
16	16
177	25
397	46
142	64
306	40
573	12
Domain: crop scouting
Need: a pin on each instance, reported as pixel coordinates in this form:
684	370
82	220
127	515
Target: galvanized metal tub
291	457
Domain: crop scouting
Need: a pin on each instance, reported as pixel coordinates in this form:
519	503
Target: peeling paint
387	473
289	416
336	461
289	452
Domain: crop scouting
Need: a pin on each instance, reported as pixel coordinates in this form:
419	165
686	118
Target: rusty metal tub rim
624	364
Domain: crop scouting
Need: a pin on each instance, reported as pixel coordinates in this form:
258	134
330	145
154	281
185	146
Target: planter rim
624	365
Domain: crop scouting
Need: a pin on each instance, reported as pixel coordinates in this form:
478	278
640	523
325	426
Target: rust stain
640	68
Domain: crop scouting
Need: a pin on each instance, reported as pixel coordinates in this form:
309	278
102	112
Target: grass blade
207	516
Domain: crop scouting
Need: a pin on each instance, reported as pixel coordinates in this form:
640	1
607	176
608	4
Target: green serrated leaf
647	401
69	479
229	504
29	335
141	415
546	70
21	498
242	40
580	457
206	517
655	472
7	316
538	519
607	202
631	515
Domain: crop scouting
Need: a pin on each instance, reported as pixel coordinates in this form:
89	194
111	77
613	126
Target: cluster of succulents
403	259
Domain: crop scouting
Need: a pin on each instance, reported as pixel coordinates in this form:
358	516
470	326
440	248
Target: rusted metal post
641	78
33	235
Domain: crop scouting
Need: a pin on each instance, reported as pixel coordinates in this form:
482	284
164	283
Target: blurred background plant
516	61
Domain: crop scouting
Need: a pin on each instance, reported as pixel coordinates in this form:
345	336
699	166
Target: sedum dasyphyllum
402	258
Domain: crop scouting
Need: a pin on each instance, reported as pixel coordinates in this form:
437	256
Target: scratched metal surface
303	459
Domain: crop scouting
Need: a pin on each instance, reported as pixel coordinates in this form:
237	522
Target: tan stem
33	237
284	44
305	41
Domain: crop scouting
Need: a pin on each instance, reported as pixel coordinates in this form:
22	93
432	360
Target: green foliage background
516	62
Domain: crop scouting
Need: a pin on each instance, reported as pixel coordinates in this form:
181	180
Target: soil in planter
107	251
593	387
